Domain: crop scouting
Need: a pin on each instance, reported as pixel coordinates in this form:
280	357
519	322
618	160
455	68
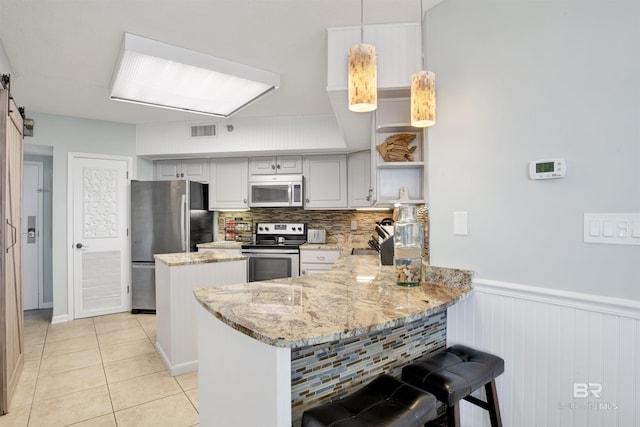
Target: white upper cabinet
191	169
325	181
359	179
397	51
275	164
228	185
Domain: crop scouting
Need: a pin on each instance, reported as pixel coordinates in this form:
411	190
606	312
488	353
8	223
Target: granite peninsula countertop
188	258
220	244
356	297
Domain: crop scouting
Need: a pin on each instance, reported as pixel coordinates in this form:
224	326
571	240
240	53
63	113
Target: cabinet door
325	181
228	183
166	170
289	164
195	170
262	165
359	173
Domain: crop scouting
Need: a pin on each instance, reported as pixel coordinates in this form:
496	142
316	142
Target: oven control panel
290	228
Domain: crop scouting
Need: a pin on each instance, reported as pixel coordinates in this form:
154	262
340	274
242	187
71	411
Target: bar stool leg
453	415
492	401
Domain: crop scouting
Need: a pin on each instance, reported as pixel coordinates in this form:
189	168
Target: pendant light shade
423	99
363	78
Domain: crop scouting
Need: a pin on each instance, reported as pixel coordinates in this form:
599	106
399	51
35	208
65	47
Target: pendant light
363	78
423	91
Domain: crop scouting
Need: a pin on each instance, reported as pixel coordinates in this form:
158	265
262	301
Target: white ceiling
62	52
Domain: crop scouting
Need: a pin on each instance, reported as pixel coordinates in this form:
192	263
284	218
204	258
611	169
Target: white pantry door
100	244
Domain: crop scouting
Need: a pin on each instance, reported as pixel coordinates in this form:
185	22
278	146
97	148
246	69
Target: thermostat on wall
547	168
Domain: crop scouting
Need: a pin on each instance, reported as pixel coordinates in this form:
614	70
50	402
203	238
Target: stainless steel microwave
272	191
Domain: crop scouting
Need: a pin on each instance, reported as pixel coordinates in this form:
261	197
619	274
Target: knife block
386	251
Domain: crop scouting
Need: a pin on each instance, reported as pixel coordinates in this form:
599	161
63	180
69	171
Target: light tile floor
100	371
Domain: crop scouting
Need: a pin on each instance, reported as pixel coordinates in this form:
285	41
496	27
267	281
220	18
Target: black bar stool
384	402
456	373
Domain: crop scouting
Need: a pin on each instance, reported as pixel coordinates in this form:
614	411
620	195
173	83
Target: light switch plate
608	228
460	224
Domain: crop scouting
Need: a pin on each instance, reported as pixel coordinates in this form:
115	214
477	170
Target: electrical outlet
354	225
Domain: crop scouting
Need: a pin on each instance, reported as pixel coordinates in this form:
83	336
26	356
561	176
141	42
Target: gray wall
66	134
5	66
523	80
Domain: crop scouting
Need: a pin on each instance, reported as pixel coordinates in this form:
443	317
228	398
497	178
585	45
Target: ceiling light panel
162	75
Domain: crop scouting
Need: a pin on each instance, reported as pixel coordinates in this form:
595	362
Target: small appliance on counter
316	236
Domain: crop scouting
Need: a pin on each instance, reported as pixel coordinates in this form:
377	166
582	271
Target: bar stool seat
384	402
454	374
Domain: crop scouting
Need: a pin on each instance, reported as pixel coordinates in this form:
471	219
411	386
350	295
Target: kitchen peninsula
269	350
176	277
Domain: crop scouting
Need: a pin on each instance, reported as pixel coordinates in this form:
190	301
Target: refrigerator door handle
183	222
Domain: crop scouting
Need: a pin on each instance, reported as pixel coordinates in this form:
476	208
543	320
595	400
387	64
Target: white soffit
158	74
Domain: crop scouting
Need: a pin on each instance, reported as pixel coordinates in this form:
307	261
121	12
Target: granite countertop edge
447	285
326	338
190	258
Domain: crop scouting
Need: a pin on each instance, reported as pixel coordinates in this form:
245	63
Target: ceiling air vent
203	131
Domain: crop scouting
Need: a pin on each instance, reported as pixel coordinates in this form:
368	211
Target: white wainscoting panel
570	359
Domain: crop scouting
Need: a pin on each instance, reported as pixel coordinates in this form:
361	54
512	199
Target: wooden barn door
11	314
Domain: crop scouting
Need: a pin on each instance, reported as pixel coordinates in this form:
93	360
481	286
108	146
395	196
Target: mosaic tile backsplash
337	223
326	372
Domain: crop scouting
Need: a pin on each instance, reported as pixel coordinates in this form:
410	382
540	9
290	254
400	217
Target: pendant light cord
421	36
362	20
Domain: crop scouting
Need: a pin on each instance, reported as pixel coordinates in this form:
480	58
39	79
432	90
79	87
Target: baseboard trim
62	318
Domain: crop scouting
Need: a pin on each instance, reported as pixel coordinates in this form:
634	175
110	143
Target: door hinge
127	289
127	174
127	232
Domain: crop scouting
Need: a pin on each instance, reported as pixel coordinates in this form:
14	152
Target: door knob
80	246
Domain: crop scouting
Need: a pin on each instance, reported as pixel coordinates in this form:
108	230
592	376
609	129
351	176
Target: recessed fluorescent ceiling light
153	73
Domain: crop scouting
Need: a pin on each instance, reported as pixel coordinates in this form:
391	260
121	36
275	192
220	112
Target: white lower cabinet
316	261
325	181
228	183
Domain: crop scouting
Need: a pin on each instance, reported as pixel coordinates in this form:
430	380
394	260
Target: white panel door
101	260
31	238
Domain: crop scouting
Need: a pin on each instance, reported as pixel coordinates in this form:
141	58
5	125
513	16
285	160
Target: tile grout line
104	372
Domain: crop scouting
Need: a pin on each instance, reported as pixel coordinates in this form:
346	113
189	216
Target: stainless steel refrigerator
166	217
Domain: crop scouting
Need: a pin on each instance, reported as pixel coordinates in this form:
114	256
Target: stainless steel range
276	251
